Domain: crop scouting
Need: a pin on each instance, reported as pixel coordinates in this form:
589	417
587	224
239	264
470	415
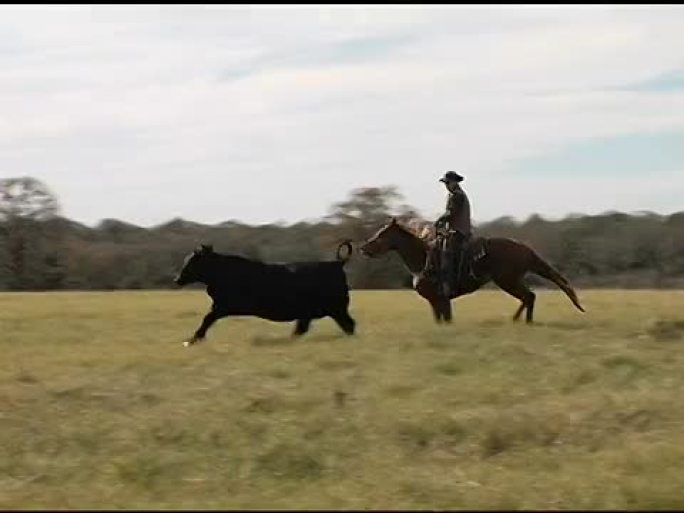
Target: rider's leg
456	258
459	264
448	267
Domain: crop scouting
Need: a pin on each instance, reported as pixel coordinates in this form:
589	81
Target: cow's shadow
264	341
288	340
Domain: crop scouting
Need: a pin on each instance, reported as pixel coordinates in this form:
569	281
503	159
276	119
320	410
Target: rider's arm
442	219
453	204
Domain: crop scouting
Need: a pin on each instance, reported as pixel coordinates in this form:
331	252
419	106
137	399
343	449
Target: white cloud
131	112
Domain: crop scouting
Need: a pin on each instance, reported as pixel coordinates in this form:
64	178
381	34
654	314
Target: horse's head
383	241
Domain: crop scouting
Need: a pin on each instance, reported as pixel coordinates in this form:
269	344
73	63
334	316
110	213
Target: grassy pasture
102	407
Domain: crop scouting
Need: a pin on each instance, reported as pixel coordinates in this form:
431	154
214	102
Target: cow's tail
344	244
545	270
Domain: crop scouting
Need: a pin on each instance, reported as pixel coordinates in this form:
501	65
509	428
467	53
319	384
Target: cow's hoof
188	343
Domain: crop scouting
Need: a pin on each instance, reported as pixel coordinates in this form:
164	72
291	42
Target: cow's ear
393	220
207	248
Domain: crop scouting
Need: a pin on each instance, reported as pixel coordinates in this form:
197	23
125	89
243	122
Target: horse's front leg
446	310
441	308
436	312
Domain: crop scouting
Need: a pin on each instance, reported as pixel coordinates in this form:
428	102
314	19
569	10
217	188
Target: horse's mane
419	228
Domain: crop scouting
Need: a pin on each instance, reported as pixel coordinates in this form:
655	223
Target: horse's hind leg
531	298
521	291
516	316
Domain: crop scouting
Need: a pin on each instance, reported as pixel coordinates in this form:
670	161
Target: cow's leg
344	320
201	332
301	327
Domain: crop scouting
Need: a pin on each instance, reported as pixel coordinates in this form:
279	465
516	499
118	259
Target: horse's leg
532	297
436	312
518	289
426	290
516	316
446	310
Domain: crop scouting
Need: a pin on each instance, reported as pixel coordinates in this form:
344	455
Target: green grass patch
102	407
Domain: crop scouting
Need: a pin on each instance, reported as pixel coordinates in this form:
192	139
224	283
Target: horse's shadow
488	323
561	325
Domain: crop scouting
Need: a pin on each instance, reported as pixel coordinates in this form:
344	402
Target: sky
273	113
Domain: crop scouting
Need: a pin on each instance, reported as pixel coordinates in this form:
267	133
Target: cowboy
456	221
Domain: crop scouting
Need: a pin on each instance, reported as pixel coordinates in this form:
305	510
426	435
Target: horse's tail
344	244
545	270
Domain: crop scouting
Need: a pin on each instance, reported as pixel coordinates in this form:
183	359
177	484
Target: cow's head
194	267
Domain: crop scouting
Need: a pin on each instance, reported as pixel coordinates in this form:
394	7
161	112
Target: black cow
299	291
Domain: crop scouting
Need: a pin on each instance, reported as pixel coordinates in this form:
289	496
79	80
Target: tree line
41	250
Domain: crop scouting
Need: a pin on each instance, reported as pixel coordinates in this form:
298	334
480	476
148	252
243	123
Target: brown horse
501	260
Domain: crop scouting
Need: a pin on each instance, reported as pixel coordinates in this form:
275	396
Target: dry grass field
102	407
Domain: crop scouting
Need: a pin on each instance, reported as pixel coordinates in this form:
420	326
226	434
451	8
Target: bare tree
368	208
24	201
364	212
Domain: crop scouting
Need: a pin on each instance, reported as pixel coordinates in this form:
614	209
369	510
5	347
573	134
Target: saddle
469	273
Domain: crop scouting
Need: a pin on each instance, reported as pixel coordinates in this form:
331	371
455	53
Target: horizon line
323	219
